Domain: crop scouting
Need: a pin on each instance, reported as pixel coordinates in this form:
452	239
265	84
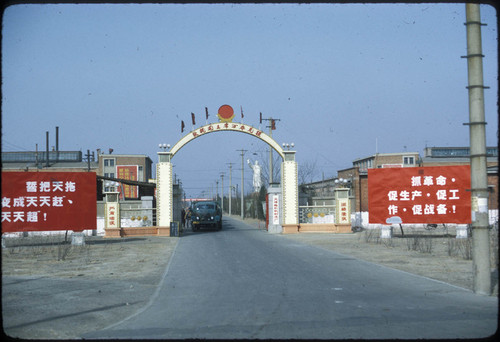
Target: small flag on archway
192	118
182	126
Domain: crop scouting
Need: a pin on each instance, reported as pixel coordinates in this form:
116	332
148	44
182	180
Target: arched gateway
288	172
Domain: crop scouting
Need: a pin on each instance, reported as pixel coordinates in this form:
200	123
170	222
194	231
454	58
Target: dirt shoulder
53	290
99	258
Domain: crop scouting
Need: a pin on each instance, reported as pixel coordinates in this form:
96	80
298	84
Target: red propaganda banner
436	194
38	201
128	172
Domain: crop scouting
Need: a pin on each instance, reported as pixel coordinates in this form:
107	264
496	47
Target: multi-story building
54	161
439	156
442	156
125	166
120	166
385	160
356	177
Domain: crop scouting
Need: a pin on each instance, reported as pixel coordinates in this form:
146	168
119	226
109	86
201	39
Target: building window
409	160
109	162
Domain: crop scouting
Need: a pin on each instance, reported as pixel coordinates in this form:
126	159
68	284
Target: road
242	282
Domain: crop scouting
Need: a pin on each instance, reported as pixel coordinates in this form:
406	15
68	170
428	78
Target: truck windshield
205	206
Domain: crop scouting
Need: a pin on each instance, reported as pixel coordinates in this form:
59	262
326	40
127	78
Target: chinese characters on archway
420	195
48	201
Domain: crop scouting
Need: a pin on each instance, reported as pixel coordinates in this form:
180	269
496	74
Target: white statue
256	175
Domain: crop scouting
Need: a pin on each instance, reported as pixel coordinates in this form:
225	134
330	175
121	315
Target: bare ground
99	258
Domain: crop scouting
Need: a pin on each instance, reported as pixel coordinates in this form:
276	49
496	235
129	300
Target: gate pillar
290	193
164	195
274	212
112	215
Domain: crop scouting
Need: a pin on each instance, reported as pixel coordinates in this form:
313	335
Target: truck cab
206	214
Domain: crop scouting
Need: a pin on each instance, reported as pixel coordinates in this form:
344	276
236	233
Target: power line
14	146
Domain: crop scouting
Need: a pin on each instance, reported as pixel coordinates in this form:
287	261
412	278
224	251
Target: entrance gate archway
289	185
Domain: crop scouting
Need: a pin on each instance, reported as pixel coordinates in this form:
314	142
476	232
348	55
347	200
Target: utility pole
230	185
216	190
222	190
88	160
272	126
479	182
242	180
47	148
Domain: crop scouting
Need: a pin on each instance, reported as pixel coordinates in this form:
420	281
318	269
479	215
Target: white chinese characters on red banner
36	201
420	194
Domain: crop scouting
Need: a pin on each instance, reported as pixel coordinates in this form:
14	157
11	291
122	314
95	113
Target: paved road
245	283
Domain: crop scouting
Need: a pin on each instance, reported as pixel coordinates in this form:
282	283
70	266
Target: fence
317	214
138	217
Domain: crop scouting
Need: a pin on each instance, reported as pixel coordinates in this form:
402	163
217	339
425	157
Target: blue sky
345	80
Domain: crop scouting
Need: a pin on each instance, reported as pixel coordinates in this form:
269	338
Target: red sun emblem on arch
225	113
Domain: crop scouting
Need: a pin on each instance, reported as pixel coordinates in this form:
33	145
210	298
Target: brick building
128	167
125	166
357	175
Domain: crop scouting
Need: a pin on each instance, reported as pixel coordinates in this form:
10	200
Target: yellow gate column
290	193
164	198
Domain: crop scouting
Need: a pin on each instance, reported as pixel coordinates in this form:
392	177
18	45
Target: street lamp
108	186
165	147
114	185
288	145
342	182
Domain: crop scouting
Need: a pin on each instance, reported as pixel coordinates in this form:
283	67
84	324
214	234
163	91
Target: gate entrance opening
289	184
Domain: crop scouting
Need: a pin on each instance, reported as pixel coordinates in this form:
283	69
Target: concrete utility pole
479	183
222	190
272	125
271	155
242	180
217	191
230	185
47	164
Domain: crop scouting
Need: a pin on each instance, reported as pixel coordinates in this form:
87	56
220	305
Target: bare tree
306	172
264	163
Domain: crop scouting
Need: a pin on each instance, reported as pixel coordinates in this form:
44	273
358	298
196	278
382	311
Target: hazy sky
346	80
